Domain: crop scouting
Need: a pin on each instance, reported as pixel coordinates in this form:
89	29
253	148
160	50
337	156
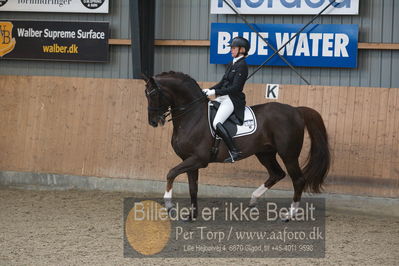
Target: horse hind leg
298	181
268	160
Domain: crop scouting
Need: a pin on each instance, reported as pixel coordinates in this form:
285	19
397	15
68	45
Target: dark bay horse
280	131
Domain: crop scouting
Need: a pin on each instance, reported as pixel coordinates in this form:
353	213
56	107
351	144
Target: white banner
65	6
286	7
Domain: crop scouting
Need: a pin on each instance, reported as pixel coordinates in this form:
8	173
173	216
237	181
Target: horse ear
146	77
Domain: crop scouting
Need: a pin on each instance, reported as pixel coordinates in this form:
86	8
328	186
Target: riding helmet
240	42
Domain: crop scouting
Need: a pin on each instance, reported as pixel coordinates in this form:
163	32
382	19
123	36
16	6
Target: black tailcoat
232	84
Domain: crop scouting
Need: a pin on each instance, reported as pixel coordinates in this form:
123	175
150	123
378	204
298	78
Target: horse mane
185	79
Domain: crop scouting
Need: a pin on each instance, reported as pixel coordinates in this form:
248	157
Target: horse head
158	104
169	93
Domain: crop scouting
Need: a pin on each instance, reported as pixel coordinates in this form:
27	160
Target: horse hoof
169	205
252	203
172	212
286	218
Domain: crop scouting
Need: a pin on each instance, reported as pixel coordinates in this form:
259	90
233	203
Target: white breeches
226	108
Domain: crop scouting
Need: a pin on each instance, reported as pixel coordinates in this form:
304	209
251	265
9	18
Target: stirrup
235	156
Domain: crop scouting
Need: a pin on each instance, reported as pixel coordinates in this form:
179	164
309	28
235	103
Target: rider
229	94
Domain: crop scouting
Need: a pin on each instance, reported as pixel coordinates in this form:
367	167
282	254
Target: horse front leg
188	165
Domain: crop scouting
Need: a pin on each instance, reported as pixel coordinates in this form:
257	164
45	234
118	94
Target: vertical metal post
147	20
142	19
135	37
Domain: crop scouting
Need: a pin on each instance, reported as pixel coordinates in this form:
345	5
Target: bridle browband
165	110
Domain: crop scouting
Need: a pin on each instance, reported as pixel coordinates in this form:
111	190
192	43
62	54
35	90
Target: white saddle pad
247	128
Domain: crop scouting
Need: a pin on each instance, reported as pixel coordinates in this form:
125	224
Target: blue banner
319	45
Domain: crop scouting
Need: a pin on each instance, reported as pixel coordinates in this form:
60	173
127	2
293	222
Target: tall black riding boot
235	154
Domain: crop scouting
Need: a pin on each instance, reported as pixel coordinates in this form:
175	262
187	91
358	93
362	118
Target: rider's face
234	51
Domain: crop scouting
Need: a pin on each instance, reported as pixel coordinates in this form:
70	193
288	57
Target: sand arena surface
85	227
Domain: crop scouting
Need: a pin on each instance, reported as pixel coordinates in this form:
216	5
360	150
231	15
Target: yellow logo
148	227
7	42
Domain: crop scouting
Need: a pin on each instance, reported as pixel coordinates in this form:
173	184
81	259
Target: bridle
163	110
166	107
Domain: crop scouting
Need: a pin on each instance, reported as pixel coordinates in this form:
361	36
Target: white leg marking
259	191
294	208
256	194
293	211
167	195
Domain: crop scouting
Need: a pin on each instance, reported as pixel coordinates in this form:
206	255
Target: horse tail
318	161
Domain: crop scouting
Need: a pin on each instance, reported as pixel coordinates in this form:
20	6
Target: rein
166	110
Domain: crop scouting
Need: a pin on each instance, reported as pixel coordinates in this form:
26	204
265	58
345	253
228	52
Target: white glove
209	92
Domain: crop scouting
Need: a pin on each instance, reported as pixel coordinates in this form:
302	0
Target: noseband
164	110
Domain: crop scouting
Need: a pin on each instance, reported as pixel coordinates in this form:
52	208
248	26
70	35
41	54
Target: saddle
232	124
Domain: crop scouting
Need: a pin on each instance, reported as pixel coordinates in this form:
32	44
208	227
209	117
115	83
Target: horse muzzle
153	123
160	120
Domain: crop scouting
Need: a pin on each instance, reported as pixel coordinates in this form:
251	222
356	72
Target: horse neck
181	94
192	118
185	97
